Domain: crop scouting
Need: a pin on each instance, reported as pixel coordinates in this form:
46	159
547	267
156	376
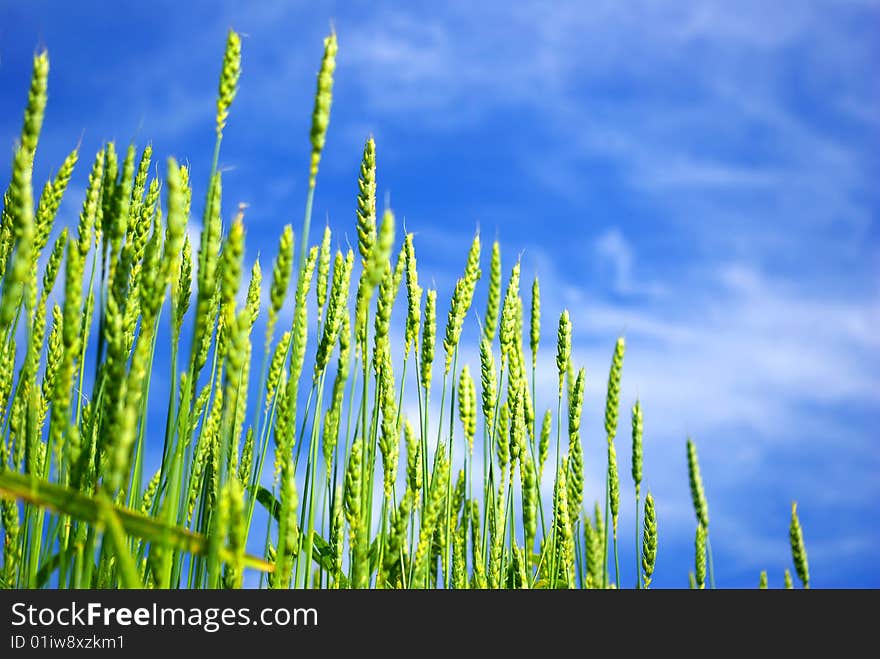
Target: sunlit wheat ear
496	528
575	448
228	79
592	554
247	457
281	271
300	333
237	534
613	486
337	538
322	277
288	531
478	579
184	288
612	400
509	310
535	322
698	494
649	541
71	337
150	493
334	414
798	549
116	215
380	255
517	428
276	366
637	429
19	271
529	483
502	445
6	236
544	442
414	474
323	100
382	319
389	441
53	264
789	585
399	268
429	333
336	309
176	224
366	201
563	347
459	557
396	539
493	300
140	229
467	406
762	580
54	354
563	536
36	106
413	298
700	557
140	185
353	498
488	381
430	518
461	302
207	298
50	201
253	299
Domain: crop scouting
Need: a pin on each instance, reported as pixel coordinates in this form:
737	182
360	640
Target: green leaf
269	502
70	502
322	554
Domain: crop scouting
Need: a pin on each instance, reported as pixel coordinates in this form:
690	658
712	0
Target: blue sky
700	176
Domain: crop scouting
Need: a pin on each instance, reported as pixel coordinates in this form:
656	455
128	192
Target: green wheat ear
563	347
649	541
429	333
787	578
509	312
613	486
612	400
798	549
575	448
488	380
544	441
228	79
637	429
700	557
467	406
281	271
323	100
535	322
413	298
323	273
366	201
18	274
36	107
50	200
493	301
762	580
698	494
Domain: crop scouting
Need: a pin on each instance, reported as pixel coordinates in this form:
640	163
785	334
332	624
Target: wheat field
292	457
